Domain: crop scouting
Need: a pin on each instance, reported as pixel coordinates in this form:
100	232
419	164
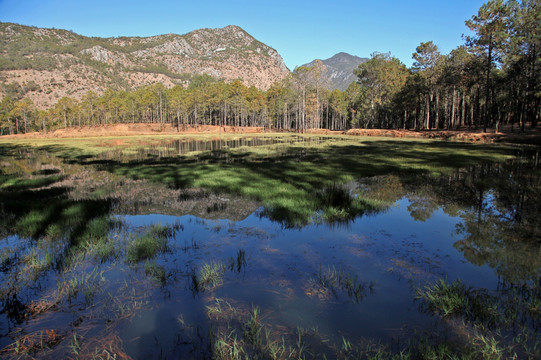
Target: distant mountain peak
340	69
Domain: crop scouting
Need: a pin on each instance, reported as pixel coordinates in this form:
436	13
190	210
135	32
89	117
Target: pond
99	263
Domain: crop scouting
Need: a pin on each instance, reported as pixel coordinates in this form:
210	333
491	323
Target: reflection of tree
500	222
422	204
499	207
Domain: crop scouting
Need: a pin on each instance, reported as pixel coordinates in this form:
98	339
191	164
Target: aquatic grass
455	299
210	276
155	271
70	285
75	345
447	298
228	347
149	244
491	316
238	263
34	264
334	279
102	249
238	333
126	305
221	309
253	328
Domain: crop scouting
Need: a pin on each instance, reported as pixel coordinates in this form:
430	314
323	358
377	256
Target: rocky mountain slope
47	64
340	70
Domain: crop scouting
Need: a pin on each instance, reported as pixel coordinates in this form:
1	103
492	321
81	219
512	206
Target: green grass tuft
150	244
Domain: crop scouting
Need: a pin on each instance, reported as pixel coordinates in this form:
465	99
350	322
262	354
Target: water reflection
217	146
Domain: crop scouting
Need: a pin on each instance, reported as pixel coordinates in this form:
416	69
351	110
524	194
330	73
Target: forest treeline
493	79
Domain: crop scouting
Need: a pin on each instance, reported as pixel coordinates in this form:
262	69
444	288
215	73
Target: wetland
269	246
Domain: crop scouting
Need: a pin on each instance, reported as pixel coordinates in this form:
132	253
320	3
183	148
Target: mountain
47	64
340	70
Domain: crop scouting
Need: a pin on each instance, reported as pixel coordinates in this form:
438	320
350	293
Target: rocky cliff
47	64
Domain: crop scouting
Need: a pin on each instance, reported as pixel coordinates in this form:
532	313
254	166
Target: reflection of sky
389	248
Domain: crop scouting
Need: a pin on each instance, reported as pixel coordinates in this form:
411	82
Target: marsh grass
72	284
148	245
456	299
334	280
239	262
240	333
253	328
209	277
298	184
503	324
297	178
102	249
155	271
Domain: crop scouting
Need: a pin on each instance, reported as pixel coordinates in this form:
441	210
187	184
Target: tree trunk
487	90
427	119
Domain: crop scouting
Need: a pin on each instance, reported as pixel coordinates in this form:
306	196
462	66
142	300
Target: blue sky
300	31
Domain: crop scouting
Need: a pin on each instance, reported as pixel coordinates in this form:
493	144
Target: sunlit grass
209	277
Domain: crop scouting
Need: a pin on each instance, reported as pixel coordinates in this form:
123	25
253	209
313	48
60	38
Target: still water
221	260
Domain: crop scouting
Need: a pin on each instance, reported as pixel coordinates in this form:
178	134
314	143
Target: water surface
326	281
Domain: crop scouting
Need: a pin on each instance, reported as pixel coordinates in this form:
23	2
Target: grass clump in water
446	298
210	276
253	328
456	299
71	285
155	271
102	250
150	244
489	318
334	280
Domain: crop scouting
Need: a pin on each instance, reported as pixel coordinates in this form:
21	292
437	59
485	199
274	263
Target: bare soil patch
506	133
